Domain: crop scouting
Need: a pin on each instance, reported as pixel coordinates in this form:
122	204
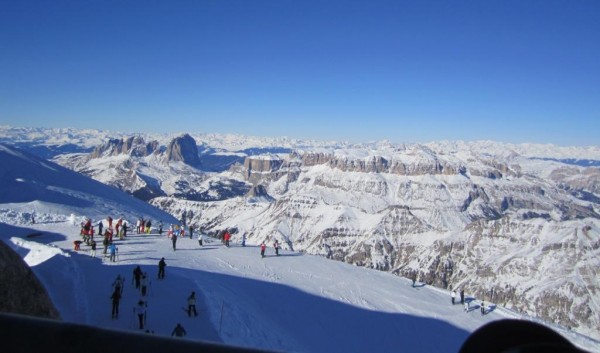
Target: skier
118	284
160	226
200	237
108	233
263	247
100	225
116	297
276	246
93	249
140	310
137	275
462	296
414	278
148	226
161	268
174	240
144	284
467	307
105	242
87	228
482	308
125	229
113	252
192	304
191	231
244	239
453	296
138	225
227	237
110	226
178	331
118	226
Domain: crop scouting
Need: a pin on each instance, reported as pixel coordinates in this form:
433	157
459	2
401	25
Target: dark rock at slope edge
21	291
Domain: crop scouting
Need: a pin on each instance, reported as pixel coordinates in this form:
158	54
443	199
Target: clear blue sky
407	71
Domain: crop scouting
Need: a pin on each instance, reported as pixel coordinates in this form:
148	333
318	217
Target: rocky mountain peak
133	145
183	149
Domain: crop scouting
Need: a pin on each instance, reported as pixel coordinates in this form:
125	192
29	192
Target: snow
293	302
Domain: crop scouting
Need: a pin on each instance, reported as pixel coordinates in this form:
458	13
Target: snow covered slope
514	224
292	302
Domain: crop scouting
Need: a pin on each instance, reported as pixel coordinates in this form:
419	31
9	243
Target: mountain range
516	225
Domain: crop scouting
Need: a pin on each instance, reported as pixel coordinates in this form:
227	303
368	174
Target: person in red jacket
227	237
263	247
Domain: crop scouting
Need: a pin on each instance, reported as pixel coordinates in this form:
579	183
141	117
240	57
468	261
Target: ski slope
292	302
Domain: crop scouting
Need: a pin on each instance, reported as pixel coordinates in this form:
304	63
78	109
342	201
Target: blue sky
406	71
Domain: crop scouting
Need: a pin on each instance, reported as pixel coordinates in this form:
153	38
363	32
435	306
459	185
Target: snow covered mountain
293	302
515	224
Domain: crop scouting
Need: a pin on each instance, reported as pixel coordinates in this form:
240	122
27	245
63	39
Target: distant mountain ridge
514	224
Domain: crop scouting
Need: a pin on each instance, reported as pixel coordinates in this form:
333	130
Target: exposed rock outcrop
183	149
134	146
21	292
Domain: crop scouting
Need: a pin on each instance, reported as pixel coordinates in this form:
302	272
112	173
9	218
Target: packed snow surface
292	302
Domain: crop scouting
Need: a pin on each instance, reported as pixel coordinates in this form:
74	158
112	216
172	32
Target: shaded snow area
291	303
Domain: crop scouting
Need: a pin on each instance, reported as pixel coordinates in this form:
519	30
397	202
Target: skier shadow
133	242
477	307
129	252
284	255
204	248
420	285
290	254
488	309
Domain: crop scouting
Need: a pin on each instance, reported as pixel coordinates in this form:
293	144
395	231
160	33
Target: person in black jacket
116	298
137	275
178	331
161	268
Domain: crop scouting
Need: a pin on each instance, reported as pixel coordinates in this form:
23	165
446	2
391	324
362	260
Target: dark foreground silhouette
29	334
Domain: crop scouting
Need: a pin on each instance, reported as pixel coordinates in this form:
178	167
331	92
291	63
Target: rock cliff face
379	164
134	146
21	292
183	149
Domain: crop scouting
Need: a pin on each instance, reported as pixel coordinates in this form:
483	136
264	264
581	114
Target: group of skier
143	226
263	248
176	231
141	282
467	302
108	229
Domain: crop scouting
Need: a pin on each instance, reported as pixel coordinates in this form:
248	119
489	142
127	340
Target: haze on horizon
355	71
